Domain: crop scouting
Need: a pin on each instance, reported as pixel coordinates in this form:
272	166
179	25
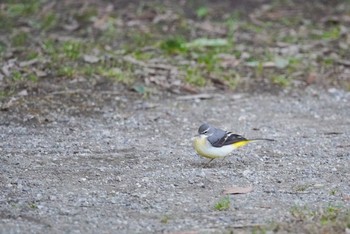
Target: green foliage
72	49
301	213
33	205
202	12
66	71
194	77
32	77
49	46
49	21
330	216
23	9
283	81
223	204
173	45
331	34
19	39
117	74
17	75
164	219
3	47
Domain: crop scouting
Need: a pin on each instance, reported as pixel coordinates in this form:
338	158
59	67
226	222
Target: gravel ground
130	166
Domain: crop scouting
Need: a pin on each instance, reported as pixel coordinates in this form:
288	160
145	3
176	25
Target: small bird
215	143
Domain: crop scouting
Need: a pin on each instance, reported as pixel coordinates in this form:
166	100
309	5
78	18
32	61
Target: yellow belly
205	149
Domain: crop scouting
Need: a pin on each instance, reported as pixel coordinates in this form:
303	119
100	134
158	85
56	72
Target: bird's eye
205	132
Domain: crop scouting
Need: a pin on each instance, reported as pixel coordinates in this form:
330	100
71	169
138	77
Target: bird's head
206	130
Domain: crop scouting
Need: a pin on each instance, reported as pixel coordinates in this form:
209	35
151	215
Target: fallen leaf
311	78
238	190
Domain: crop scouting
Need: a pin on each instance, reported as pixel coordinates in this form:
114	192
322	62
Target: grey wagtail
215	143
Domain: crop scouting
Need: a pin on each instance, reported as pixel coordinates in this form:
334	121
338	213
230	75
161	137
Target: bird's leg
207	164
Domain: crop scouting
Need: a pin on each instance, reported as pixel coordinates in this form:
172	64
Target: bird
212	142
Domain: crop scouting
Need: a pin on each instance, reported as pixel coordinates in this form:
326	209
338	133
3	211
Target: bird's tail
261	139
241	143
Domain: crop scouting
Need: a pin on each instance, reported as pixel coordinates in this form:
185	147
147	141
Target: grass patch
19	39
223	204
283	81
66	71
331	218
164	219
194	77
202	12
72	49
173	45
117	74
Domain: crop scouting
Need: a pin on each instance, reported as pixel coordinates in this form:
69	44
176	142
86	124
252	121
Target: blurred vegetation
280	45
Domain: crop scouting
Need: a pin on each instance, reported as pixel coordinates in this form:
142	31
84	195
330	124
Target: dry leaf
238	190
311	78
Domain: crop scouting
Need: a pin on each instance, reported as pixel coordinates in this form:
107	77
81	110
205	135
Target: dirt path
130	167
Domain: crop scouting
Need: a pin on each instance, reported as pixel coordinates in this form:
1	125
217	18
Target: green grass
115	73
328	217
49	21
164	219
194	77
173	45
19	39
223	204
202	12
282	81
72	49
66	71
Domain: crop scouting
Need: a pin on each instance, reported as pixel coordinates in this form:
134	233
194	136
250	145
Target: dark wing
228	139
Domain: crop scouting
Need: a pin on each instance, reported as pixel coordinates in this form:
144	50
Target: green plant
202	12
124	76
173	45
333	192
19	39
223	204
283	81
194	77
23	9
164	219
72	49
17	75
66	71
232	79
32	77
302	213
49	21
33	205
329	214
332	34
